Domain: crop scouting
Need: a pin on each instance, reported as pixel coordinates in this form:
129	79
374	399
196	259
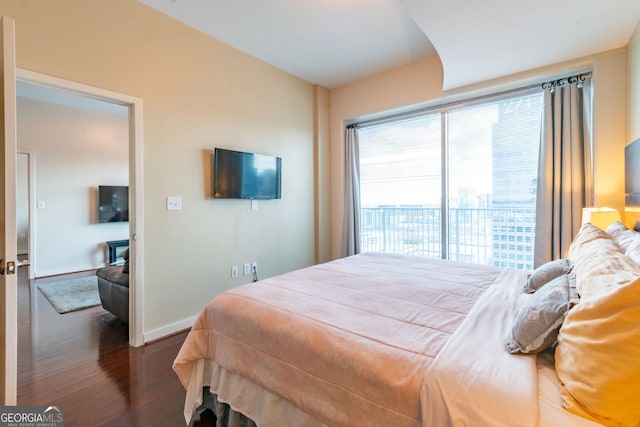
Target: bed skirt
224	415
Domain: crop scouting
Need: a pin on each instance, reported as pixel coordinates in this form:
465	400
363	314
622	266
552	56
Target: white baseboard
165	331
65	270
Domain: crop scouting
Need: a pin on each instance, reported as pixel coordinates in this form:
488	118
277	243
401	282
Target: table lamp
600	217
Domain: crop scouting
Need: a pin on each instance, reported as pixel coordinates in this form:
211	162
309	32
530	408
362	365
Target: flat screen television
113	203
240	175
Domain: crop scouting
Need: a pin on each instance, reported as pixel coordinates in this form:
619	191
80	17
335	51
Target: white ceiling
481	40
333	42
326	42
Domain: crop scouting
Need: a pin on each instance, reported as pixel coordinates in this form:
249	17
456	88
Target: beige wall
633	87
198	93
609	127
420	83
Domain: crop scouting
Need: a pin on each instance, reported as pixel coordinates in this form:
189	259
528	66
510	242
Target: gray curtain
351	225
564	168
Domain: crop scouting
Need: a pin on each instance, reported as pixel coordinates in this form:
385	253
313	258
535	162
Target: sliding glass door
483	157
401	186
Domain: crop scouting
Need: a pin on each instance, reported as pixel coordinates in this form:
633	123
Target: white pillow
622	235
633	251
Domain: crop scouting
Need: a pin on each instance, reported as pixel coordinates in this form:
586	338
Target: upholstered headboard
632	174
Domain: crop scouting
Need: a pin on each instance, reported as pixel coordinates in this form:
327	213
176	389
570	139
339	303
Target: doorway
133	107
24	191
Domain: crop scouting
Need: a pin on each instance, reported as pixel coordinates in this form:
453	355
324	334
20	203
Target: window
458	183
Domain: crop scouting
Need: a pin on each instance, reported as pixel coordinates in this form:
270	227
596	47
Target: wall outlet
234	271
247	268
174	203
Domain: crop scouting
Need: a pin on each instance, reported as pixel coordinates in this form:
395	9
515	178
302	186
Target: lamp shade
632	217
600	217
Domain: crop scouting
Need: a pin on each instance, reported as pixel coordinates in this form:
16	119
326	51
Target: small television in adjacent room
240	175
113	203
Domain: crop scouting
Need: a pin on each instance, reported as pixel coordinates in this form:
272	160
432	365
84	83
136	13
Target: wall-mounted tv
113	203
240	175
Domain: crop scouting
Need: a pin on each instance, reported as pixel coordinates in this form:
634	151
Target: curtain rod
578	78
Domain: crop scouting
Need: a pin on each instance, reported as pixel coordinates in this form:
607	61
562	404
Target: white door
8	281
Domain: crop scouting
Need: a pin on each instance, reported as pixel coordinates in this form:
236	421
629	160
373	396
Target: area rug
72	294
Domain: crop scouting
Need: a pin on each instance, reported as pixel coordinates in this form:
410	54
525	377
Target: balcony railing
502	237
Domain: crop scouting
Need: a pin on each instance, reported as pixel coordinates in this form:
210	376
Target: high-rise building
513	205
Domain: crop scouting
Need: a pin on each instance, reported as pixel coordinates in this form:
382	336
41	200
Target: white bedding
474	381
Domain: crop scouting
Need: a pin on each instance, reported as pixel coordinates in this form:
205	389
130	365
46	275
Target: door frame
31	200
136	202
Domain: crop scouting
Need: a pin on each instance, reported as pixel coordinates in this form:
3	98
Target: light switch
42	204
174	203
254	205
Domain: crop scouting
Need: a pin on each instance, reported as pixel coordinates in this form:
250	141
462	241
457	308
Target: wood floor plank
82	361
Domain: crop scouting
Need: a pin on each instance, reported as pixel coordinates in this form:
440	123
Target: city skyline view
489	175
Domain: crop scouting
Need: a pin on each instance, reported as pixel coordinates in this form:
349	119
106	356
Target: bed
391	340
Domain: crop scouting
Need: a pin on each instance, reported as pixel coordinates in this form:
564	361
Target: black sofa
113	287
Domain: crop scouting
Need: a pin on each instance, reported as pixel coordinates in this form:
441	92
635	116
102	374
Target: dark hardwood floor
82	361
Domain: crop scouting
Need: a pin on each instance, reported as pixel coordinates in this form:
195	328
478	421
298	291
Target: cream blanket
348	340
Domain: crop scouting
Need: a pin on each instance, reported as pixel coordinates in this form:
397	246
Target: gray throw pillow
539	318
545	273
